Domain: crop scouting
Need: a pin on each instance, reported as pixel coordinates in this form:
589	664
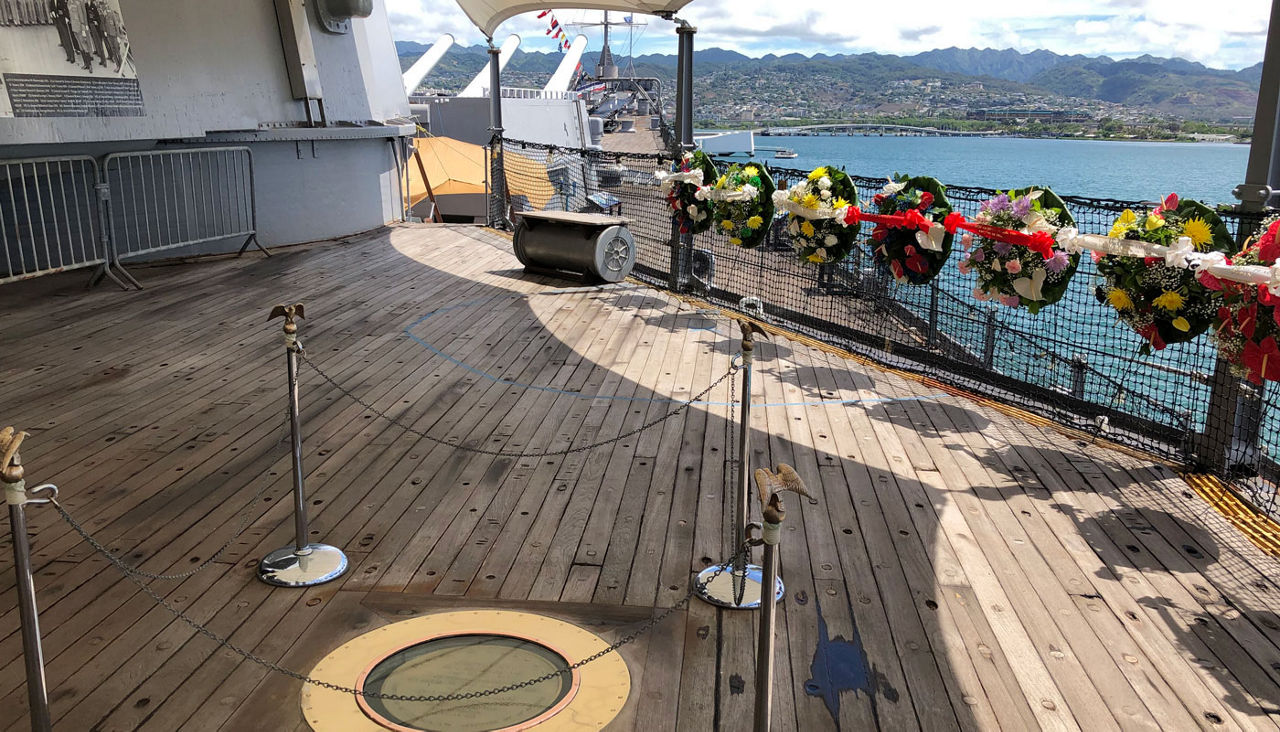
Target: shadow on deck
957	568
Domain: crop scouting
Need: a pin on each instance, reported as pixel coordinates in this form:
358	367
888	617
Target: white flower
891	188
749	191
693	210
829	240
793	228
824	183
1035	221
822	253
825	195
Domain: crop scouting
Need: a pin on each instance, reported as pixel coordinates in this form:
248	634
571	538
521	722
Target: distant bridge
849	128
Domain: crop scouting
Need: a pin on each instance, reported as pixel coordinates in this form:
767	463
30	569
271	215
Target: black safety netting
1074	362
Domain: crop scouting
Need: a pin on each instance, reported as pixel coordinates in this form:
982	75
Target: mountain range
1168	87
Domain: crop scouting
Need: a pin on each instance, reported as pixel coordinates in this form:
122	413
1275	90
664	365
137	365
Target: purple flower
996	205
1022	206
978	255
1002	248
1058	262
1012	301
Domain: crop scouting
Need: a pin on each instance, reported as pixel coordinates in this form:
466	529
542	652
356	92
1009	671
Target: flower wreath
815	207
1248	321
742	203
913	257
681	187
1019	276
1163	304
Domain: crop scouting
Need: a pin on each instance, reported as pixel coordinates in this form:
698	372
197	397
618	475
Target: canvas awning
489	14
455	167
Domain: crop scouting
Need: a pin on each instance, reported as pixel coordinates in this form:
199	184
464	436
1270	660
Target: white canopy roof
489	14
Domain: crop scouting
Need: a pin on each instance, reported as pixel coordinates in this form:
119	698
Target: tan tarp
489	14
454	166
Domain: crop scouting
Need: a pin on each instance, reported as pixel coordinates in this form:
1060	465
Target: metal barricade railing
50	218
166	199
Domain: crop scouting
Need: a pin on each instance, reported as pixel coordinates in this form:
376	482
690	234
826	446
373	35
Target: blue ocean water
1095	168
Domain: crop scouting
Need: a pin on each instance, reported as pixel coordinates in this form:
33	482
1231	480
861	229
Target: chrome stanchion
303	564
770	486
737	584
15	494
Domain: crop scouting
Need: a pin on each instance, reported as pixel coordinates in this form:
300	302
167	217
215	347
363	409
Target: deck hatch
465	651
459	664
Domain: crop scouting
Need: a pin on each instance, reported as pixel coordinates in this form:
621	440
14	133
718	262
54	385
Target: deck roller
596	247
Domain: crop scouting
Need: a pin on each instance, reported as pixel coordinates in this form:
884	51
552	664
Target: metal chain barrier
733	369
132	576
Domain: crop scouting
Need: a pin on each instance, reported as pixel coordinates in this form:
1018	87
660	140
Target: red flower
896	267
1247	319
878	199
1151	261
1226	326
879	233
1265	297
1269	244
926	200
910	250
1152	334
1208	280
917	264
1262	360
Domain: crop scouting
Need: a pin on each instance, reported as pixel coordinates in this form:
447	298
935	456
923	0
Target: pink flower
964	266
978	294
966	240
1013	266
1097	256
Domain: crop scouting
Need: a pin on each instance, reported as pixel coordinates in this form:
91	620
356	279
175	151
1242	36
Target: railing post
15	494
931	341
1079	366
303	564
989	341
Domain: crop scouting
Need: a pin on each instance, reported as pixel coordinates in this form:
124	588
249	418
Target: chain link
133	576
733	369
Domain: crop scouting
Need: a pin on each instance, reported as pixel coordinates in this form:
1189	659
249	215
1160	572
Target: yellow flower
818	173
720	183
754	222
727	225
1127	218
734	240
1154	221
750	170
839	203
1181	324
1198	231
816	258
1119	299
810	201
1170	301
806	228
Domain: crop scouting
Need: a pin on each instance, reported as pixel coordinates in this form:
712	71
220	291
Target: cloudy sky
1233	38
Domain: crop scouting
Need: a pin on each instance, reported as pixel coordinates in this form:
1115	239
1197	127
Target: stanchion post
770	487
304	564
771	532
743	588
15	494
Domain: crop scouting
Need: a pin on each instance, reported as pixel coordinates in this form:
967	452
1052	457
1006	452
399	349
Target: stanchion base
718	589
315	565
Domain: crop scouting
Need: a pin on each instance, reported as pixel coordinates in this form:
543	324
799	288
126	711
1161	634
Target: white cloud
1119	28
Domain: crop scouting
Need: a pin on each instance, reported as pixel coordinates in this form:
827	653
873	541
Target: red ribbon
1040	242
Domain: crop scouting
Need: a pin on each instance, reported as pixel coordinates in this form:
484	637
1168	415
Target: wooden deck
957	568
